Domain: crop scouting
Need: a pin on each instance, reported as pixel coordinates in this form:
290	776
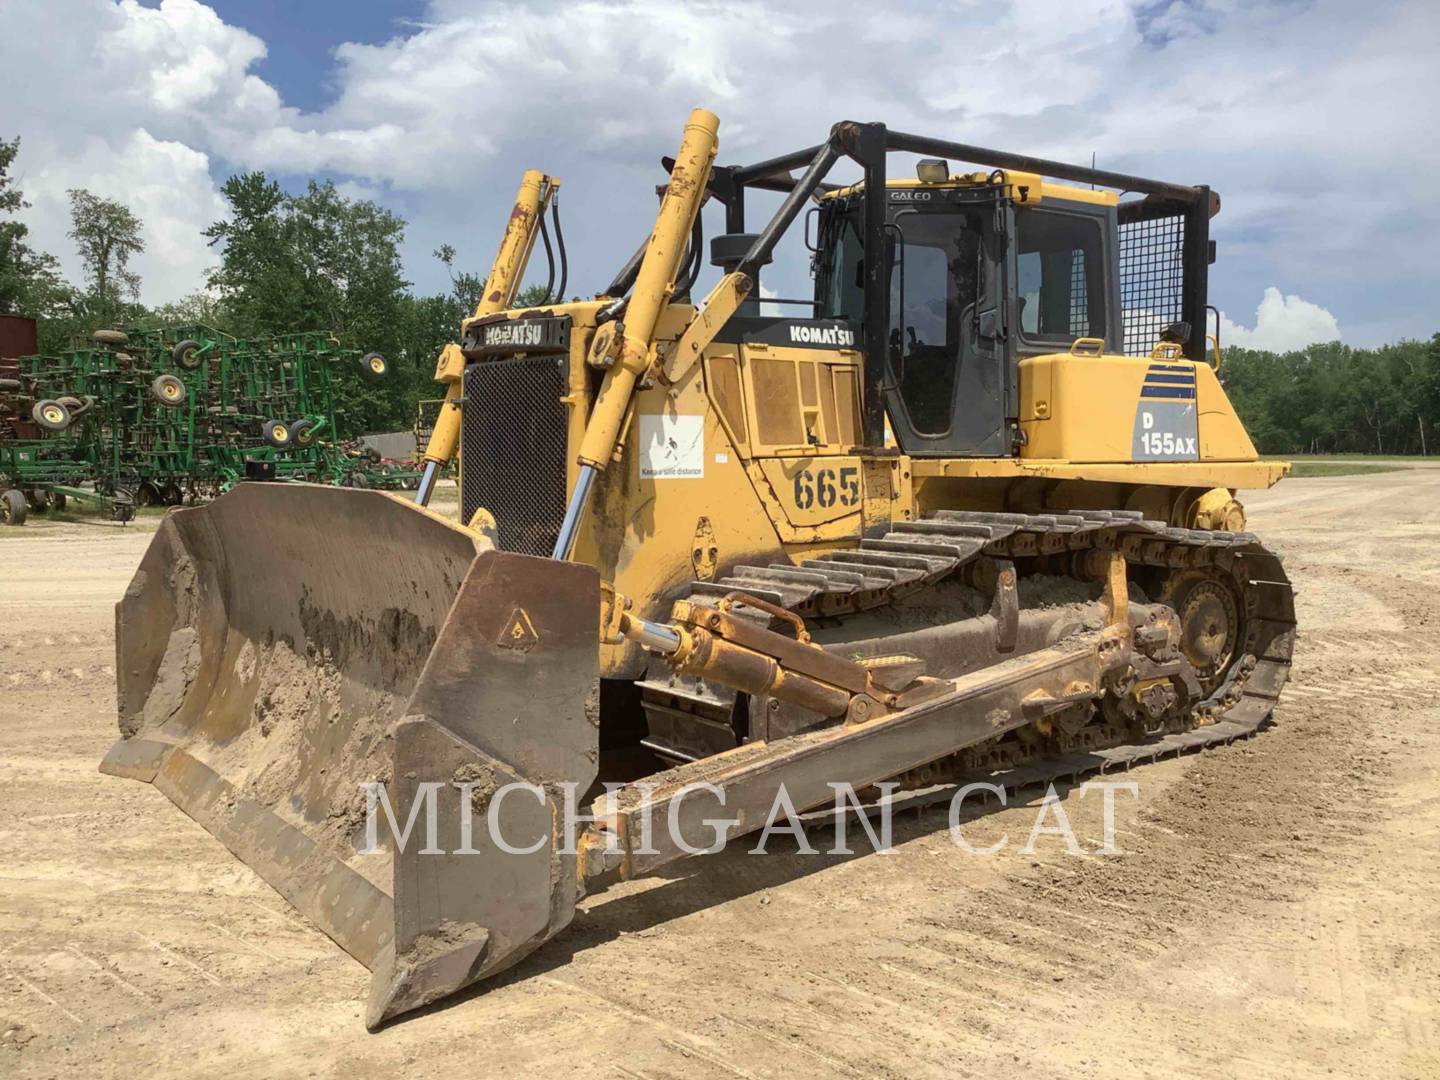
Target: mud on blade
287	644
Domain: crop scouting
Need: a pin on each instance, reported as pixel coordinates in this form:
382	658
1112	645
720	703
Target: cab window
1061	270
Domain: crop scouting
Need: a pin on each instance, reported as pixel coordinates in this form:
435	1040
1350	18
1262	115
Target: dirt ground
1274	912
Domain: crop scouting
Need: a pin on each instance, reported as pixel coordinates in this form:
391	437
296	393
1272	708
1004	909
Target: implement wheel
39	500
110	337
169	391
374	366
50	415
276	434
187	355
13	507
302	433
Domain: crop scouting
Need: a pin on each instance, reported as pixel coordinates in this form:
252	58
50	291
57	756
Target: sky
1307	117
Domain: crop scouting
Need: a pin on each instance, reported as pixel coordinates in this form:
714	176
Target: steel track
916	555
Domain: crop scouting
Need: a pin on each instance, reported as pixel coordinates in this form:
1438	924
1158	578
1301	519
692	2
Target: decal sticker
672	447
1165	419
822	334
519	632
827	487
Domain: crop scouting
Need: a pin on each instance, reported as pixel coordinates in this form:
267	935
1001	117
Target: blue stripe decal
1169	380
1185	393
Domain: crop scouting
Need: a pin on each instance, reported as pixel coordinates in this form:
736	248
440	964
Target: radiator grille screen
1152	276
514	449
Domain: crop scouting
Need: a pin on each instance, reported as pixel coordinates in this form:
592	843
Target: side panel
1097	409
1222	435
680	488
1165	427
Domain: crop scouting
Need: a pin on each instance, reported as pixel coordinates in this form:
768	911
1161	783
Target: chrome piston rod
579	500
428	476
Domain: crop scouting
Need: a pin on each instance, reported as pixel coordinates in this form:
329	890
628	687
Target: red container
17	337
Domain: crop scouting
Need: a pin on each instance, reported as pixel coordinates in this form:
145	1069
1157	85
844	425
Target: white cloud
1282	324
1294	112
166	184
129	121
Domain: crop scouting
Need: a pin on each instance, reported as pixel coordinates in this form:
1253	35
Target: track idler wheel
1211	627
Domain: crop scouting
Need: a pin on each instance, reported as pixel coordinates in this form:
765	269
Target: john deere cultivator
158	416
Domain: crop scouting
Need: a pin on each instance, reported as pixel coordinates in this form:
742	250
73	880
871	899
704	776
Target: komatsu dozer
967	511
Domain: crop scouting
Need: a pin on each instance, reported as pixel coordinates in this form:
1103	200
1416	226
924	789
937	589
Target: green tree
30	281
199	307
1332	398
107	235
320	261
259	278
465	287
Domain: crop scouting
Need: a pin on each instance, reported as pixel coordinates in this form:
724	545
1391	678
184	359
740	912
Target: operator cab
983	270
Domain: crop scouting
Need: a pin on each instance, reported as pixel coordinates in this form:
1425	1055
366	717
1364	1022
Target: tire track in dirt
1272	914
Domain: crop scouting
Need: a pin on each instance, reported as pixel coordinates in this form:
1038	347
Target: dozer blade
286	645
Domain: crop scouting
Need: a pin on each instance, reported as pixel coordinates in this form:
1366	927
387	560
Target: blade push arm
721	644
625	349
893	718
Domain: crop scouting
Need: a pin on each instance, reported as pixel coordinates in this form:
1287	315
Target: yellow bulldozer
967	511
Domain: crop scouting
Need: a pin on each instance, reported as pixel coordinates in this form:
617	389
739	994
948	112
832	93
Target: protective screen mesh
1151	279
514	448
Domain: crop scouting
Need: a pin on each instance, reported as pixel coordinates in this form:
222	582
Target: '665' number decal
824	487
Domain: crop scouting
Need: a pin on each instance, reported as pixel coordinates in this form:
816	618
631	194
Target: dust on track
1272	916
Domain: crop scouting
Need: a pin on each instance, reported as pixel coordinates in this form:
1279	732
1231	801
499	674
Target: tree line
1331	398
317	260
311	260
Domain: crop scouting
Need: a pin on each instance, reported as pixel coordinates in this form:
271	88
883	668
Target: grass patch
1304	469
1356	457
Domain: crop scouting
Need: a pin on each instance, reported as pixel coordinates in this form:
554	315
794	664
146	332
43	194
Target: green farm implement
180	413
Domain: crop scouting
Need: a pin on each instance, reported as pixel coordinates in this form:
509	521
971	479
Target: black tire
374	366
276	433
169	391
110	337
357	480
172	494
147	494
122	510
50	415
58	501
13	507
302	433
186	354
39	500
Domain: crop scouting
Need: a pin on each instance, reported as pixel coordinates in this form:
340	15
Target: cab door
947	391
